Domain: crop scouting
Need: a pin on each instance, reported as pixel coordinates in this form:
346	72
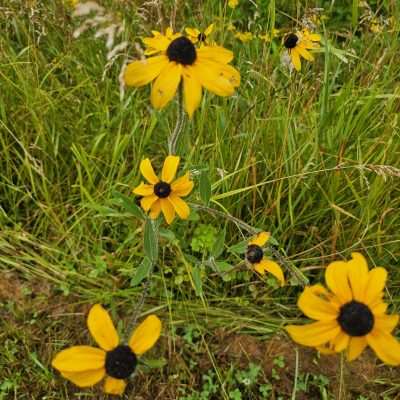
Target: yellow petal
378	308
315	334
315	306
191	91
386	322
148	201
386	347
148	172
215	53
192	32
180	206
164	87
169	169
341	341
145	335
376	284
358	276
168	210
210	75
182	186
102	328
294	55
327	349
260	239
305	53
144	190
356	347
231	74
336	276
314	37
114	386
209	30
155	210
85	378
79	358
272	267
142	72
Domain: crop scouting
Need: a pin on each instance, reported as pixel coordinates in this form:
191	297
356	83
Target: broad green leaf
205	187
128	203
198	285
150	240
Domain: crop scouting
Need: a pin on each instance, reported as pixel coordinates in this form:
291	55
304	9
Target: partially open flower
164	194
351	315
255	256
85	365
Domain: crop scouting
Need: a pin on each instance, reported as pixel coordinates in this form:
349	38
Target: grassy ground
312	157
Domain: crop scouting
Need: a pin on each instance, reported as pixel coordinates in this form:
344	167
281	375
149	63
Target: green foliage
204	237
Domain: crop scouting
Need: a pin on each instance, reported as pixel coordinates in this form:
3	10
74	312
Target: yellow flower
255	256
231	27
165	194
179	60
153	44
85	365
244	36
297	45
233	3
268	37
197	36
351	315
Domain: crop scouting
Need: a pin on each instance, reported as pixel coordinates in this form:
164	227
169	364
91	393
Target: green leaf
142	272
167	234
198	285
128	203
150	241
155	363
219	244
239	248
205	187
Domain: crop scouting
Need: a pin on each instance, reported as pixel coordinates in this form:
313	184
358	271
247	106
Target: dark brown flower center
291	41
356	319
201	37
182	51
120	362
254	254
162	189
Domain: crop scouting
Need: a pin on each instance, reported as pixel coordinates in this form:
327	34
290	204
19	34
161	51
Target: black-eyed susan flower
351	315
244	37
164	194
197	36
86	365
178	61
297	45
255	256
233	3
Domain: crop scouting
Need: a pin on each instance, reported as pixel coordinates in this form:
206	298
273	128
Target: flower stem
180	123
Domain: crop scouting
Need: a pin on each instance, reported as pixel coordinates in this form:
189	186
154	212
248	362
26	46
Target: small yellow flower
351	315
297	45
244	37
198	36
233	3
231	27
165	194
86	365
268	37
180	61
255	256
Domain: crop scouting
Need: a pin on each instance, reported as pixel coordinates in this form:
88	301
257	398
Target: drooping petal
148	172
169	169
209	29
114	386
182	186
215	53
315	334
192	91
294	55
358	276
315	306
356	347
260	239
376	283
180	206
341	341
144	190
336	277
155	209
85	378
142	72
386	347
305	53
272	267
148	201
145	335
386	322
164	87
79	358
102	328
168	210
